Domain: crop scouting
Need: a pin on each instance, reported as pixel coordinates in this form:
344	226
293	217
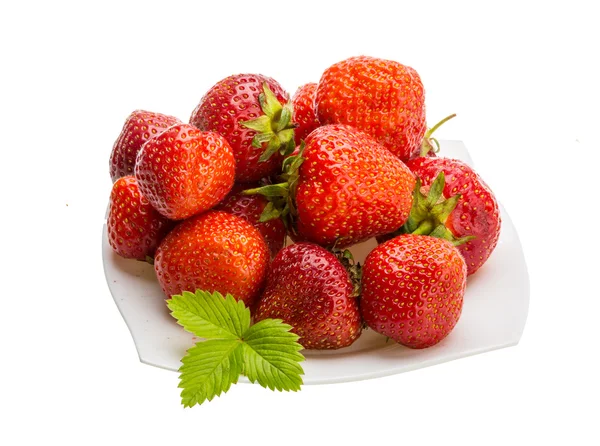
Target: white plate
493	317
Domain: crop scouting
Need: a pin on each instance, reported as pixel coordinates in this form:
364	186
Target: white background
523	78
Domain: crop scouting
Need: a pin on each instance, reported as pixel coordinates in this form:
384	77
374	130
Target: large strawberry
135	228
474	217
342	188
250	207
380	97
304	114
413	288
139	127
254	115
185	171
214	251
309	288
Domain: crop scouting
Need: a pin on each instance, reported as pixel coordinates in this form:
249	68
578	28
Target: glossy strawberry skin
305	115
135	228
380	97
350	188
214	251
413	288
250	207
222	109
308	288
185	171
477	212
139	127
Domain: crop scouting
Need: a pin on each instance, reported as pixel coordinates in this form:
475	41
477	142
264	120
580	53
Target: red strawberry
250	207
350	188
139	127
251	112
413	288
184	171
214	251
476	214
305	116
342	188
380	97
310	289
135	228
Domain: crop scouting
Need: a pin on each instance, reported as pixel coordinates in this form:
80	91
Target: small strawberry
135	228
253	114
304	114
343	188
185	171
474	216
139	127
250	207
309	288
214	251
380	97
413	288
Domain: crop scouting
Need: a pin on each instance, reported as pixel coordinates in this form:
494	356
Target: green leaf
270	212
209	315
261	138
269	103
284	119
272	147
209	369
271	355
262	124
436	189
271	190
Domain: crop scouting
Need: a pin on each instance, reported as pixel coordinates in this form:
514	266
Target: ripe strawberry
309	288
413	288
250	208
476	213
184	171
252	112
214	251
305	116
139	127
135	228
380	97
349	188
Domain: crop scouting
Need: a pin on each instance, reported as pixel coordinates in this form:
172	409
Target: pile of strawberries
211	204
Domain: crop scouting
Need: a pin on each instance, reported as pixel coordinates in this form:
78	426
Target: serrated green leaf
210	316
271	355
209	369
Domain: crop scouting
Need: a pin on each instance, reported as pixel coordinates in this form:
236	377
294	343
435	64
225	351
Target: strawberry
213	251
253	114
185	171
139	127
135	228
250	207
304	114
380	97
476	215
413	288
343	188
309	288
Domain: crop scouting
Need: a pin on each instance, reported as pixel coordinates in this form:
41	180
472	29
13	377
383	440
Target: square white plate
493	317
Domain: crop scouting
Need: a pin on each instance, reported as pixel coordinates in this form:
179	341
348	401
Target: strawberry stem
427	145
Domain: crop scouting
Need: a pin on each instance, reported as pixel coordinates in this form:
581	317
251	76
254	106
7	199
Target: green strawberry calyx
353	267
282	195
428	141
430	212
275	127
